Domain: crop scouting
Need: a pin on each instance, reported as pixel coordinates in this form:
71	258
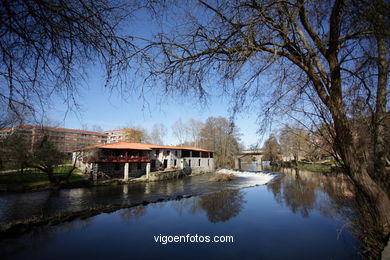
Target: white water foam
252	178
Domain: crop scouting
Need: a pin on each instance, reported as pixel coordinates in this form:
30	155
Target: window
185	153
174	162
189	163
176	153
195	154
199	163
208	162
139	166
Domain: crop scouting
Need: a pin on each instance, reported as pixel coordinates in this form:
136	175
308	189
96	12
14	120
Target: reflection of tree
276	188
222	206
192	204
132	213
219	207
355	210
300	195
333	196
296	192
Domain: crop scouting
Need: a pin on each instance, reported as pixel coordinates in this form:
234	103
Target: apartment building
65	139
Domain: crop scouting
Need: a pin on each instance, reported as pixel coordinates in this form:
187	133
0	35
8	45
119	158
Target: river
298	215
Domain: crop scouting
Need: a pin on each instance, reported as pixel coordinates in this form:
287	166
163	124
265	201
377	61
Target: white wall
206	164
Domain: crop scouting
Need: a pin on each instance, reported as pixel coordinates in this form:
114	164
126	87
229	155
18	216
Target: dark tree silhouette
45	45
325	58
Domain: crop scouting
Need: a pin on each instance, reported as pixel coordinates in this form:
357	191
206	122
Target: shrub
222	177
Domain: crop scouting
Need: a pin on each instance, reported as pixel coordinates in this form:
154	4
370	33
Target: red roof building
115	159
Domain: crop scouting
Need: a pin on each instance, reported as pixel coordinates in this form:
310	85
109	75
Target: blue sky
112	110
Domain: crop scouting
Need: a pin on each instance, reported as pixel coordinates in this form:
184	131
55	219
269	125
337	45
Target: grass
316	167
222	177
34	179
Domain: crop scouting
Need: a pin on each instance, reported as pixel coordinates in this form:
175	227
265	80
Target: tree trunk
381	98
55	183
344	144
359	174
69	173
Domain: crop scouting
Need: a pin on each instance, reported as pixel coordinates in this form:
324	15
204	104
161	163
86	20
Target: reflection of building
125	159
65	139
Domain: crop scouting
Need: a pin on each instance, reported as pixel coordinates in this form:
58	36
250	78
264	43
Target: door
165	163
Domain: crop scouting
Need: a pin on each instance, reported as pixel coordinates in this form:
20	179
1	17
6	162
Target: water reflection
304	191
218	207
36	204
332	195
130	214
296	192
304	194
318	213
222	206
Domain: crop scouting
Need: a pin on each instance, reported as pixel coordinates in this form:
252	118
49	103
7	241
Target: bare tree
221	136
297	143
324	55
45	45
96	128
272	149
187	133
39	153
93	128
195	128
134	135
46	157
180	131
16	151
158	134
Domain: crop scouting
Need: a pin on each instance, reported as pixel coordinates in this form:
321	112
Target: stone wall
117	169
112	169
166	175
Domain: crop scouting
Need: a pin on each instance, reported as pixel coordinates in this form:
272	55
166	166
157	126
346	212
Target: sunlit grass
33	178
316	167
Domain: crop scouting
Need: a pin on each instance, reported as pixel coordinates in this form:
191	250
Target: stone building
124	160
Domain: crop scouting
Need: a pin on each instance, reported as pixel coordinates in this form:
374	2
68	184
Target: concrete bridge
257	154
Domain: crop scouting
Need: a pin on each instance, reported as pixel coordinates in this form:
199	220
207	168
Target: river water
298	215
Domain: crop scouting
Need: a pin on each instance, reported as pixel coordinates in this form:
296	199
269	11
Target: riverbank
36	180
17	228
48	208
321	167
306	204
